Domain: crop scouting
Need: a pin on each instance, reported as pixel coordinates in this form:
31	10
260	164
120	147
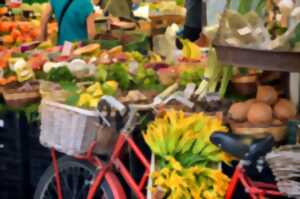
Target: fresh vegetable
110	88
167	76
146	79
61	74
285	109
191	76
185	137
101	73
194	182
227	75
260	114
71	92
7	80
24	73
137	56
91	49
267	94
90	97
238	111
119	73
212	74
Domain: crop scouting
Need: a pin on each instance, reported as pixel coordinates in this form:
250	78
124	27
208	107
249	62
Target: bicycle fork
117	163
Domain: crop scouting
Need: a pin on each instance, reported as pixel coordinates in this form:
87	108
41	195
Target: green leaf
260	7
108	90
60	74
245	6
69	86
101	74
72	89
296	37
119	73
73	100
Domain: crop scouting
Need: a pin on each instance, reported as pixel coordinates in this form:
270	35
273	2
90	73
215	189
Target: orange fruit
35	33
15	33
8	39
3	10
5	26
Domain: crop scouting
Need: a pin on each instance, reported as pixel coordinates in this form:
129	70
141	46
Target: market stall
127	114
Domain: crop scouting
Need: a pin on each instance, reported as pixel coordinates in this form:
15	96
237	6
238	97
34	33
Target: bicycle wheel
76	177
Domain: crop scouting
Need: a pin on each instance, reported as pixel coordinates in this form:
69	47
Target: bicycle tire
66	163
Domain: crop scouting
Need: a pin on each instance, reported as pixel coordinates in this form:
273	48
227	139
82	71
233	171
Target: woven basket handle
222	22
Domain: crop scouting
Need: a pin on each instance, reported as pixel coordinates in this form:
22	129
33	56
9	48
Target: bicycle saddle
243	147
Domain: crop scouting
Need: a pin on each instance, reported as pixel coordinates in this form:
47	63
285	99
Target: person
193	23
118	8
75	18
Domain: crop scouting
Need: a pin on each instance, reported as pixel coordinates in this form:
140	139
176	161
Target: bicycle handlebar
135	108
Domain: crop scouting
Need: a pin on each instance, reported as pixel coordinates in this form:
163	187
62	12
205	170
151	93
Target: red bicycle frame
106	170
256	190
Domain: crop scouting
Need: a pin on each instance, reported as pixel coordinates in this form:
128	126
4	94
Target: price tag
15	1
67	48
133	66
244	31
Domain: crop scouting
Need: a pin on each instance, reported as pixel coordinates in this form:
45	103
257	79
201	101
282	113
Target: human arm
91	28
44	22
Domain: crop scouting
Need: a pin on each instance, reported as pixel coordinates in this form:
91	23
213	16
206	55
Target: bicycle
87	176
250	152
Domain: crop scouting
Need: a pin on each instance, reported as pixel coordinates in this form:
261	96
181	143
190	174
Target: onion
260	114
267	94
285	109
250	102
238	111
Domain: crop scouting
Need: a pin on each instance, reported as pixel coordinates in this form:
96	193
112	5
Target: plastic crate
11	169
10	148
13	156
39	156
9	122
10	189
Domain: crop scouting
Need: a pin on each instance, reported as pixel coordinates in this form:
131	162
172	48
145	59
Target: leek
212	74
227	74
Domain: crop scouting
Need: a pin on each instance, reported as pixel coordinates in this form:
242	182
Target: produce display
249	28
17	32
187	161
260	111
210	97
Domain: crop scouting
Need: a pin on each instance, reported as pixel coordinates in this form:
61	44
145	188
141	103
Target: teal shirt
73	26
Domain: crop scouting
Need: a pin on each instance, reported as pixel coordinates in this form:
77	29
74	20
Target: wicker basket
71	130
285	164
277	131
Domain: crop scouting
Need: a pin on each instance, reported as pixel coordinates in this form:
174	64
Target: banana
186	51
155	58
195	51
190	50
